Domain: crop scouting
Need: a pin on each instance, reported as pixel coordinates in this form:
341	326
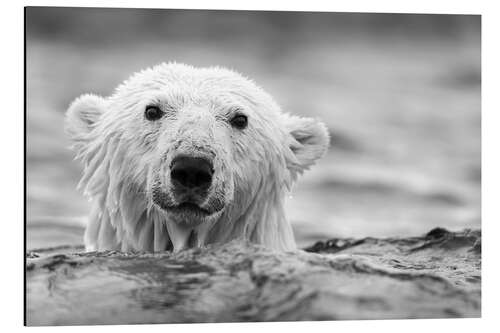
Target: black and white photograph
215	166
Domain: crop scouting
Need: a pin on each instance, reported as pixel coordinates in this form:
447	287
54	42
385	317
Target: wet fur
125	158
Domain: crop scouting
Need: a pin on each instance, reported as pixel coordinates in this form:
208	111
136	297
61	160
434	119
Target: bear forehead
180	78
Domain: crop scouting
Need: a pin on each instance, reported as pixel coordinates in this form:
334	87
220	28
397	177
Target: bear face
181	156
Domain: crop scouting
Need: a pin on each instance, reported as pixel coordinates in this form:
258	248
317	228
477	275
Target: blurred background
401	95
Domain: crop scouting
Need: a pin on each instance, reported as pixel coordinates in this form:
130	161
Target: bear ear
82	116
309	141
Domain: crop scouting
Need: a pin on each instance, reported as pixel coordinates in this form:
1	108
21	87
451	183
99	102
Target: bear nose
191	172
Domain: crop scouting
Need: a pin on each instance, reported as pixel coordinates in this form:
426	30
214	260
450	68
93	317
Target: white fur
126	157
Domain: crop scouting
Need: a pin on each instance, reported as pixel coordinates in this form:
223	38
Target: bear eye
153	113
239	121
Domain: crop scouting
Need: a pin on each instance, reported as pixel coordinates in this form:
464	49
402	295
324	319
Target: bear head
203	151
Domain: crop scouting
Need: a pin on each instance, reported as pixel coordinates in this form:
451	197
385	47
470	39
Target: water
436	276
403	111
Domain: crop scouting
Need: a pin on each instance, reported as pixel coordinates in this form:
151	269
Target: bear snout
191	174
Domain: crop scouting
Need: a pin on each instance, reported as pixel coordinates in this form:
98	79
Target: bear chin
189	214
188	226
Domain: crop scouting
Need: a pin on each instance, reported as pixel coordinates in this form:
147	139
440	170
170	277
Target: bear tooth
179	236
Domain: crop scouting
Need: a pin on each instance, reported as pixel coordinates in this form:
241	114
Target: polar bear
180	157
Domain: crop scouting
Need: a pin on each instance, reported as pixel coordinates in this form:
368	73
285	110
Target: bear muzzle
190	189
190	182
191	174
